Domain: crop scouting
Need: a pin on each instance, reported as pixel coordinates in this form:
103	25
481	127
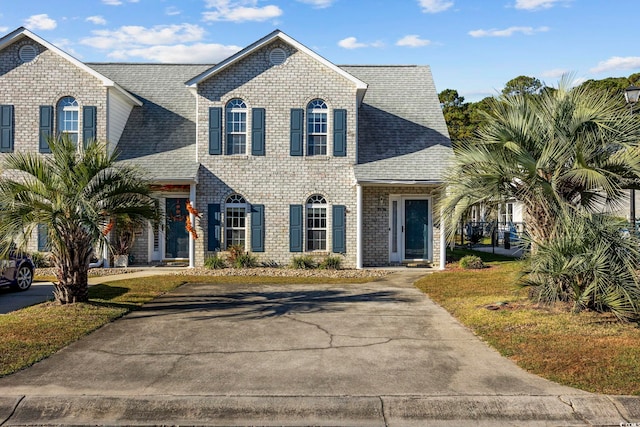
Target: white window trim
234	109
236	205
307	229
61	109
308	134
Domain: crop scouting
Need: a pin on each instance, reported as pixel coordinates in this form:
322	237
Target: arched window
317	128
68	118
316	223
236	127
235	220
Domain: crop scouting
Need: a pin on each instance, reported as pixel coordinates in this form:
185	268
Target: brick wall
277	179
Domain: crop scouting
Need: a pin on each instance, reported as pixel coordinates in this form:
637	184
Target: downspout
192	241
443	243
359	255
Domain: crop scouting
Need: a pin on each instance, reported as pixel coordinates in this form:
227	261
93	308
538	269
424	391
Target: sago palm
75	194
565	147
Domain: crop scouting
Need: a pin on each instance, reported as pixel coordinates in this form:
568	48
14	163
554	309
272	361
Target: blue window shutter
6	128
215	130
88	125
257	228
297	130
339	133
257	132
339	235
295	228
213	228
46	127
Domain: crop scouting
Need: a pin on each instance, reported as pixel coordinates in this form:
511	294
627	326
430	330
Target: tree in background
522	85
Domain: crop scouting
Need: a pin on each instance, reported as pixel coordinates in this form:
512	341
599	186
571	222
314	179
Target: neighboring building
280	150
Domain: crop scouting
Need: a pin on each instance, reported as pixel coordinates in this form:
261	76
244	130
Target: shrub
270	264
471	262
245	260
41	260
303	262
215	263
234	252
591	263
331	263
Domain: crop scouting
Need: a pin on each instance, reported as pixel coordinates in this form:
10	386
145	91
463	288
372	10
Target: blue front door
177	238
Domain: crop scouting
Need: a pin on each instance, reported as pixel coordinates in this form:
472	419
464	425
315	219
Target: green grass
589	351
454	255
36	332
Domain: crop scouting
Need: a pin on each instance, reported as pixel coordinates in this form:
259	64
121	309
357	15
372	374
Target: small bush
245	260
303	262
270	264
41	260
471	262
234	252
215	263
331	263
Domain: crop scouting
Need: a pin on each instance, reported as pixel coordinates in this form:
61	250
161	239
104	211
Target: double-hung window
68	111
317	128
235	221
316	223
236	127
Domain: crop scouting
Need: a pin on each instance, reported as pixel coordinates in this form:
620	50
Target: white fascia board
277	34
397	182
22	32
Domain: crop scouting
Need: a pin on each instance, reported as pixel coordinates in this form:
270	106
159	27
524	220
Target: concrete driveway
374	354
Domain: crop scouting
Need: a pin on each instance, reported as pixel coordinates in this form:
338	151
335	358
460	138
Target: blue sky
473	46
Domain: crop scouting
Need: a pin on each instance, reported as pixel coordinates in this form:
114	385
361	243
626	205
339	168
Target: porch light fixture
631	95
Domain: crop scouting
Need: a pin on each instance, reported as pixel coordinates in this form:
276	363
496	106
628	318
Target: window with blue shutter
215	130
297	130
339	234
46	127
213	227
88	125
257	132
339	133
295	228
6	128
257	228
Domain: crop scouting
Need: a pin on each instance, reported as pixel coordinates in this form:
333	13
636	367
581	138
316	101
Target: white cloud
555	73
40	22
134	36
353	43
172	11
4	29
435	6
117	2
239	11
507	32
413	40
617	63
319	4
67	46
180	53
538	4
97	19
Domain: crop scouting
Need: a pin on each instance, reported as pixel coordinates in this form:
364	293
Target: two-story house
280	150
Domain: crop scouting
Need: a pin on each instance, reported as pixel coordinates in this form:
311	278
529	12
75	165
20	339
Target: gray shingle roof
401	131
159	136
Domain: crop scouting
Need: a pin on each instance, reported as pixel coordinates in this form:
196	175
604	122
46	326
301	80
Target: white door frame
397	230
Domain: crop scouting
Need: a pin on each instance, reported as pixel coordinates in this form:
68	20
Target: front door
177	238
410	229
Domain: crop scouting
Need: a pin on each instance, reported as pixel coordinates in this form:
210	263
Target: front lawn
589	351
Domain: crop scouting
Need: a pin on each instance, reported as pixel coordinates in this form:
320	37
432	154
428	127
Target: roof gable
361	86
21	32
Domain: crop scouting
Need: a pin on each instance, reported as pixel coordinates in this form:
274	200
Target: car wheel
24	278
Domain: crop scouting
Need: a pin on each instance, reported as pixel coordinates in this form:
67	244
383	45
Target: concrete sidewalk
364	355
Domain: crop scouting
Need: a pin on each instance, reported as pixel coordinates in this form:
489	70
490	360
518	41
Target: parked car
16	271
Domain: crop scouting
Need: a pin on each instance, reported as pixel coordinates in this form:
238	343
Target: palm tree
567	147
75	194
